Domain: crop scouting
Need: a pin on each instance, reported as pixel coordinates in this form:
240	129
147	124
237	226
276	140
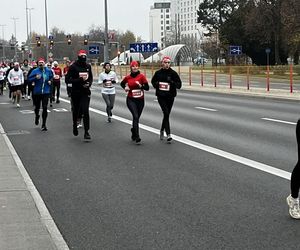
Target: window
162	28
167	10
167	22
161	22
167	16
162	33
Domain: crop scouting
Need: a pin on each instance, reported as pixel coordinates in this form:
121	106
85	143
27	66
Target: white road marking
207	109
236	158
279	121
60	110
45	216
26	111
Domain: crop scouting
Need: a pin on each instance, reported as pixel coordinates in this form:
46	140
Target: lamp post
30	32
46	22
15	29
3	46
106	59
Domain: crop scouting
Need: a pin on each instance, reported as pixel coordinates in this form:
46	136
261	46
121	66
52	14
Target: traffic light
69	41
38	43
22	47
85	41
51	43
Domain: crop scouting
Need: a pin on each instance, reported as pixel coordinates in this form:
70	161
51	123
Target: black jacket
168	76
77	82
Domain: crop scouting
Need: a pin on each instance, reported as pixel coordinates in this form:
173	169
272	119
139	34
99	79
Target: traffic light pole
46	20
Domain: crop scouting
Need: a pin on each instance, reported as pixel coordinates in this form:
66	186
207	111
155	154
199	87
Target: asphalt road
112	194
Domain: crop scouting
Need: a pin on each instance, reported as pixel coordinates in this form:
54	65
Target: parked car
200	60
120	63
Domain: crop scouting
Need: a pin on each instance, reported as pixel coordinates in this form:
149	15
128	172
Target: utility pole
106	57
3	47
15	28
46	21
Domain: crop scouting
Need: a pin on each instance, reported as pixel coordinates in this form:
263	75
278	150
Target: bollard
215	76
248	78
190	75
268	78
202	75
230	77
291	78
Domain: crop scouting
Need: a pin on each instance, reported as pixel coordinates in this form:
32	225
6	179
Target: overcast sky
75	16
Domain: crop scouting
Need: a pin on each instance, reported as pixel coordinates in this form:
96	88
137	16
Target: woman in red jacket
134	84
56	81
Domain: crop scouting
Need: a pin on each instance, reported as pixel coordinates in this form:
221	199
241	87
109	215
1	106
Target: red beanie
134	64
41	59
81	52
166	58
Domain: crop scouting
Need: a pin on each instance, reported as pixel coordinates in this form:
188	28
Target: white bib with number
164	86
56	77
137	93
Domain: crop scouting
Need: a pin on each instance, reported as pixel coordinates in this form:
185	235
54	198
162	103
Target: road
200	192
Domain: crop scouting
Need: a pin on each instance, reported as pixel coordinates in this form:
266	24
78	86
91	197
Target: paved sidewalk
25	222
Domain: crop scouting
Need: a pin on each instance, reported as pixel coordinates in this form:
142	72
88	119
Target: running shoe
75	131
161	135
18	105
79	125
44	128
57	101
138	140
87	135
109	119
169	138
29	98
294	208
37	120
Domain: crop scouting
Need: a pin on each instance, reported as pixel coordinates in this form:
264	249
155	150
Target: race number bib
164	86
108	84
84	75
56	77
137	93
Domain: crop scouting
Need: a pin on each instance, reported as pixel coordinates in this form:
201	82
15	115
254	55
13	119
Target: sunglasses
167	62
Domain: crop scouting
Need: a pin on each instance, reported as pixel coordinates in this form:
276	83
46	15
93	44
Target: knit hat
55	63
165	58
41	59
134	64
82	52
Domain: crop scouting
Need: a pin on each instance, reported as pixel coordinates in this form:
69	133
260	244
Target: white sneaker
294	208
169	138
29	98
18	105
79	125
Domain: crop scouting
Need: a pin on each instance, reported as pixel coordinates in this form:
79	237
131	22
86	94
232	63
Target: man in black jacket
81	77
166	81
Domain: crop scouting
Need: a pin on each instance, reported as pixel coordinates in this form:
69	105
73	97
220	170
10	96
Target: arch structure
179	53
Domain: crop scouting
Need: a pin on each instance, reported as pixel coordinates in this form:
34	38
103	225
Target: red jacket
57	74
132	81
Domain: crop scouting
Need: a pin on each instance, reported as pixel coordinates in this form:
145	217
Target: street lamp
46	21
15	28
3	46
105	33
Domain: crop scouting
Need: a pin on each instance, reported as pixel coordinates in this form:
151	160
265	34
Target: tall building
160	22
175	20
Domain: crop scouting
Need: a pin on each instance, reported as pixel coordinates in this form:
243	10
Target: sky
74	16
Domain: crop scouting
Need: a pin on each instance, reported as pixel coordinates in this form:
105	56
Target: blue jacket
42	85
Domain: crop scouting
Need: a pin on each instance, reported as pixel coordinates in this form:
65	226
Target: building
175	20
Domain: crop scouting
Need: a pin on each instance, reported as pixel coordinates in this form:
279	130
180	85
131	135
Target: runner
65	71
81	77
293	198
49	66
108	79
41	80
166	81
56	81
25	68
16	80
2	77
10	67
134	84
33	66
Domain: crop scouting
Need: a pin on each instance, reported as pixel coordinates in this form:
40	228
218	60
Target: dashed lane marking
236	158
207	109
279	121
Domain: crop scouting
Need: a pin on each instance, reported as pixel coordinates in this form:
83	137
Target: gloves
113	81
104	81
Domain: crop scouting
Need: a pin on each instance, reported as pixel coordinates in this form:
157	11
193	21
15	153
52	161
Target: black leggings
37	100
295	178
166	104
56	89
80	106
110	101
136	106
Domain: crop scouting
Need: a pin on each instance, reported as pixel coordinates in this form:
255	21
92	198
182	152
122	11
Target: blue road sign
143	47
235	50
94	50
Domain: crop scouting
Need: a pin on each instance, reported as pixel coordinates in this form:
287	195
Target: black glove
113	81
104	81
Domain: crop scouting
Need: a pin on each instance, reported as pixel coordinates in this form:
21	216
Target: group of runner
40	79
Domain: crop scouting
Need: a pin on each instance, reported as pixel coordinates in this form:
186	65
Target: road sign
268	50
143	47
235	50
94	50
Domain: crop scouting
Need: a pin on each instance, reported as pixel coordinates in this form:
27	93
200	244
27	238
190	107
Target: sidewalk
25	222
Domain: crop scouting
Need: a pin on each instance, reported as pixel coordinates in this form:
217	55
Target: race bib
16	78
164	86
108	84
137	93
56	77
84	75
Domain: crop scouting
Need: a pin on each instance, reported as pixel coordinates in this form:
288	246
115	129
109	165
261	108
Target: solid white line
207	109
250	163
280	121
46	218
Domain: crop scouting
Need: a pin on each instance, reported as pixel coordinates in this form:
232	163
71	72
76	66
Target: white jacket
15	77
